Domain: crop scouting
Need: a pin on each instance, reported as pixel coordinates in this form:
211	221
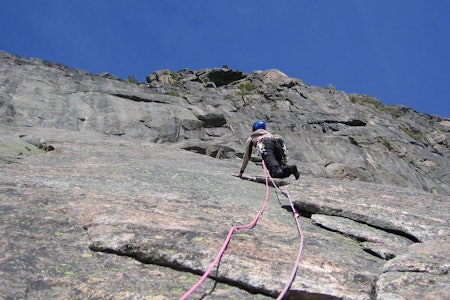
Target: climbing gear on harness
261	148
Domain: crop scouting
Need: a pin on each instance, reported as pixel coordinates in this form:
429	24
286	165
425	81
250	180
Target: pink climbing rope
300	248
225	244
249	225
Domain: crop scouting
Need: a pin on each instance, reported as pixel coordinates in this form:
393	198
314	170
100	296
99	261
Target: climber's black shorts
269	155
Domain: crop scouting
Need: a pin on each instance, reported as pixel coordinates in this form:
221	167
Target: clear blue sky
395	50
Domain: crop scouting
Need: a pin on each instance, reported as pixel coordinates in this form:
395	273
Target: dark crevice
308	210
292	294
303	95
309	296
304	213
325	126
222	77
371	252
146	124
392	231
178	267
352	237
353	123
353	141
196	149
359	240
138	99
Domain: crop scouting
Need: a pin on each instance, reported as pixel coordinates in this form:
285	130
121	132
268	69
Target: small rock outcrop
123	190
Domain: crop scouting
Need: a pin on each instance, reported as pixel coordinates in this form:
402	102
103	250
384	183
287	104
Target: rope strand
250	225
296	215
226	242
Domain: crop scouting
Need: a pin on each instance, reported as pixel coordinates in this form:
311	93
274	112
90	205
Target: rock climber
272	150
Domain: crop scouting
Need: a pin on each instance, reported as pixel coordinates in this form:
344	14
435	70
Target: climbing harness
219	255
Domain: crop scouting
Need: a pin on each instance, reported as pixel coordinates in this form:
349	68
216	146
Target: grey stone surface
331	134
118	209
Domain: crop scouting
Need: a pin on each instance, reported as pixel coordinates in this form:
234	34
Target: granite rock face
100	198
330	134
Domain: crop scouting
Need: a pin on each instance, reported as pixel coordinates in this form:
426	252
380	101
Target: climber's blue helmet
259	125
